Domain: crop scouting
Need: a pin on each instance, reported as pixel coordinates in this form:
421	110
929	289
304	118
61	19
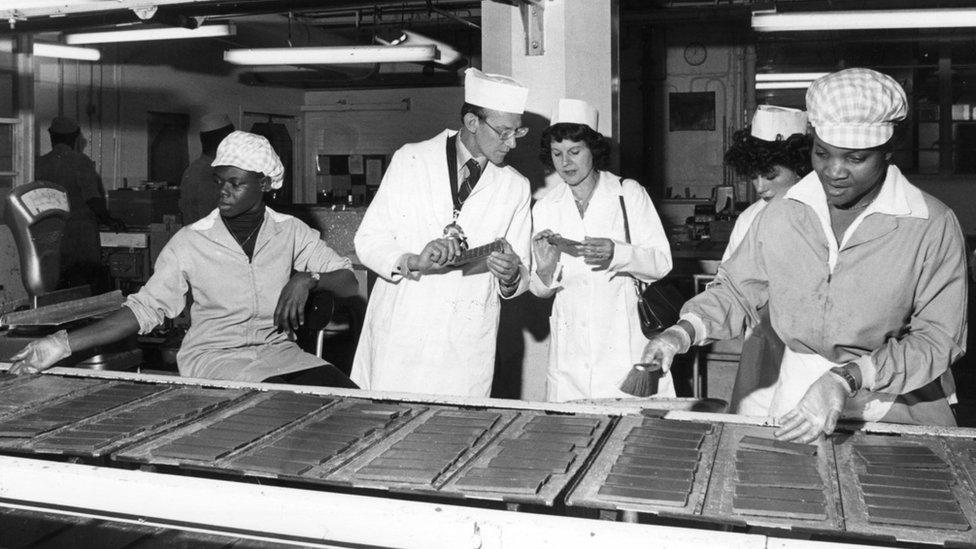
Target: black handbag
658	306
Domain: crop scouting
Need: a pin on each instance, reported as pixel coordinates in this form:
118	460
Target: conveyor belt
908	488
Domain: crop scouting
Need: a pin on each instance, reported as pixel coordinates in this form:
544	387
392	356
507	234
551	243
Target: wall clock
695	53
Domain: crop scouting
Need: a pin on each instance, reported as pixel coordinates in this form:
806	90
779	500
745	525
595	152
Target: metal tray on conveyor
17	431
533	460
759	481
109	431
26	392
424	453
271	434
650	465
908	488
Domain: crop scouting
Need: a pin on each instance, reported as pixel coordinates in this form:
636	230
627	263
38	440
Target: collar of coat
217	232
607	185
897	197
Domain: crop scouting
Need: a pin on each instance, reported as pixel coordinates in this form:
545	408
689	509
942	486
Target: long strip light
864	19
42	49
796	85
789	76
331	55
141	35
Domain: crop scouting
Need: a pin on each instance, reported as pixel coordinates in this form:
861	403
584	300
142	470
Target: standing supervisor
81	255
595	328
198	194
773	153
250	270
863	273
431	327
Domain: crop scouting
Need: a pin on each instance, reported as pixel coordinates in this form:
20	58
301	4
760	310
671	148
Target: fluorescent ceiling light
139	35
783	85
446	55
42	49
789	76
332	55
864	19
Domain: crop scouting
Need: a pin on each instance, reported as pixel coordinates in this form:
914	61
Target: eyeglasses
505	135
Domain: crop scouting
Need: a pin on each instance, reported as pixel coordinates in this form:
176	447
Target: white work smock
233	336
594	328
435	334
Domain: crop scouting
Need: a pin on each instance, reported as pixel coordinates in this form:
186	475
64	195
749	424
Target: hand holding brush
658	355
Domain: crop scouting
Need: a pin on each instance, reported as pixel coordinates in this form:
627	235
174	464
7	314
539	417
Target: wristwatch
845	374
315	276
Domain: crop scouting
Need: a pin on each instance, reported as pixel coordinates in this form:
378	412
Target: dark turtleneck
245	228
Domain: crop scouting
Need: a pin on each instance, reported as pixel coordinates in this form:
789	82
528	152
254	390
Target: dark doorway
168	149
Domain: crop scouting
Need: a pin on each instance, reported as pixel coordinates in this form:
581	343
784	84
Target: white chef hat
251	152
494	91
215	121
576	111
856	108
772	123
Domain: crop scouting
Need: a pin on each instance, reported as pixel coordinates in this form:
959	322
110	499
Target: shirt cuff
557	278
401	270
868	371
622	255
701	334
147	317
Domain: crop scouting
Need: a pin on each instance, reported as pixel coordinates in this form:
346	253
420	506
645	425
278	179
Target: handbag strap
638	284
623	208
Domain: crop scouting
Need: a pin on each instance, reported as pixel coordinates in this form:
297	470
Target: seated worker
249	270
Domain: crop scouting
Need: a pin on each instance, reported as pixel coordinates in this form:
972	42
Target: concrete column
579	62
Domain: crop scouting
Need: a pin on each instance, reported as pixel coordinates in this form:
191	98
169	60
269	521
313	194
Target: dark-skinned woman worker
249	269
863	273
773	153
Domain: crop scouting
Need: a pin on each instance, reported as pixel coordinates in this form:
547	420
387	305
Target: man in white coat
430	327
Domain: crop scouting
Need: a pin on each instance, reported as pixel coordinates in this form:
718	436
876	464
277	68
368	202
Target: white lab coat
594	328
436	334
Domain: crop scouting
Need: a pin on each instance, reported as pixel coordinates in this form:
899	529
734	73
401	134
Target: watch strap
844	373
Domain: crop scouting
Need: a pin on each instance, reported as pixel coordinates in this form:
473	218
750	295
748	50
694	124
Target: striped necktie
474	173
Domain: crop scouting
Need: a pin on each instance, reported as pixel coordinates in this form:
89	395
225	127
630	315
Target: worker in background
198	194
595	326
431	327
864	275
773	153
250	270
65	165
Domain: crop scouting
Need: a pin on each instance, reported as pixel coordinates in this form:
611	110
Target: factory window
937	72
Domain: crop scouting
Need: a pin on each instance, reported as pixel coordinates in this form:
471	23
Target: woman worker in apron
773	153
863	273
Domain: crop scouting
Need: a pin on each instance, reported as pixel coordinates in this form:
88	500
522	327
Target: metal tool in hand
564	245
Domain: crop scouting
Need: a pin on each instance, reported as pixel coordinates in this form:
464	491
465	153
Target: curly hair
598	145
750	156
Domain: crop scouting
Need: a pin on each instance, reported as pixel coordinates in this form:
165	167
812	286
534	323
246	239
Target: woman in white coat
594	327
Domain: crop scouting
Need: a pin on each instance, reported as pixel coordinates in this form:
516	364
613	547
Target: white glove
41	354
662	347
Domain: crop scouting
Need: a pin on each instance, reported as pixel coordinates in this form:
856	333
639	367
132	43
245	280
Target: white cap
494	91
211	122
252	152
576	111
771	123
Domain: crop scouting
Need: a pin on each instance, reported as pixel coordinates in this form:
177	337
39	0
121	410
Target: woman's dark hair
598	145
750	156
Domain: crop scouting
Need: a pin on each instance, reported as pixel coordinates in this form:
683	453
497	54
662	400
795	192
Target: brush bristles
641	381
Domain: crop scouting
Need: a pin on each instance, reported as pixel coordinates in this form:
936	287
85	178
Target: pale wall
111	102
693	159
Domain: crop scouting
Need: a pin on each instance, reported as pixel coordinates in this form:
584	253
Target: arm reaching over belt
44	353
662	348
818	410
